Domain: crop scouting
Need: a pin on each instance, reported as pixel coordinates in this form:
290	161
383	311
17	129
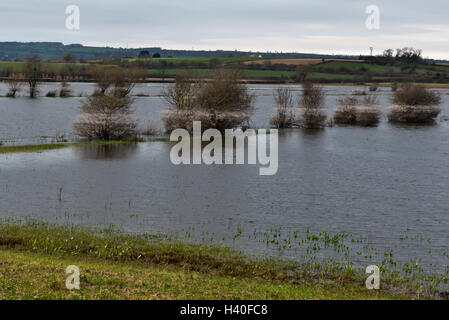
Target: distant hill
22	50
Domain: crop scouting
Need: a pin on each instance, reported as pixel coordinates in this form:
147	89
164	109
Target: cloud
336	26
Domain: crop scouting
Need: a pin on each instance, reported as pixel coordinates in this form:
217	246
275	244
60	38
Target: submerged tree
107	118
222	103
352	111
14	83
65	90
103	78
124	80
117	80
284	116
414	103
311	110
32	71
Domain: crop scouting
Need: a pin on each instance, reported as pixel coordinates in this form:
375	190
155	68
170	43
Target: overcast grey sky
333	26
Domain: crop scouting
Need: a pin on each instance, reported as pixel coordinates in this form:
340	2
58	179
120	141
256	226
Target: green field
197	59
51	66
331	71
355	66
250	74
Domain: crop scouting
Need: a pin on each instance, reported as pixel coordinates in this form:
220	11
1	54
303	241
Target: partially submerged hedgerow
414	103
352	111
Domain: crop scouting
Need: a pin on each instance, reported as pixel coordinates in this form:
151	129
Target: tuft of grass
35	276
32	148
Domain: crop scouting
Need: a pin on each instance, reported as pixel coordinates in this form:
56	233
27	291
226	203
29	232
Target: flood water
386	183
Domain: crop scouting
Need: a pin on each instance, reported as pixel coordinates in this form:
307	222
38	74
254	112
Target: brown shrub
103	77
413	114
182	94
51	94
311	111
373	88
284	116
414	104
367	115
224	93
351	111
223	103
64	90
107	118
14	83
124	80
345	113
415	95
174	119
32	71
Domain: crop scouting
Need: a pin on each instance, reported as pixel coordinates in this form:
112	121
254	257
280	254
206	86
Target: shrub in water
345	111
107	118
351	111
14	83
311	111
51	94
414	104
284	116
223	103
64	90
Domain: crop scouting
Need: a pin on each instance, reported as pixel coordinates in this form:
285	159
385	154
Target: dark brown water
383	183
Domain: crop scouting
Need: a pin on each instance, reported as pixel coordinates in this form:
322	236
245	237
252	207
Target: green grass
196	59
32	148
331	76
16	66
34	256
356	66
250	74
53	146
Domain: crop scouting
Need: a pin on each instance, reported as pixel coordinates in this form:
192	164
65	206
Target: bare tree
107	118
14	84
120	81
103	77
32	71
182	94
124	80
312	113
222	103
414	103
284	116
65	90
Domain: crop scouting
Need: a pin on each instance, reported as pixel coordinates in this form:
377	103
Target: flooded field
387	185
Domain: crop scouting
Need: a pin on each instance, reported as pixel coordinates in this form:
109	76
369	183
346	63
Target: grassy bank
33	258
53	146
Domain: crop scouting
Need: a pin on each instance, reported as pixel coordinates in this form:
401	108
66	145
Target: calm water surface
383	183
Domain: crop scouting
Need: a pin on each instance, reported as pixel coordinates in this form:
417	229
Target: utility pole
371	49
